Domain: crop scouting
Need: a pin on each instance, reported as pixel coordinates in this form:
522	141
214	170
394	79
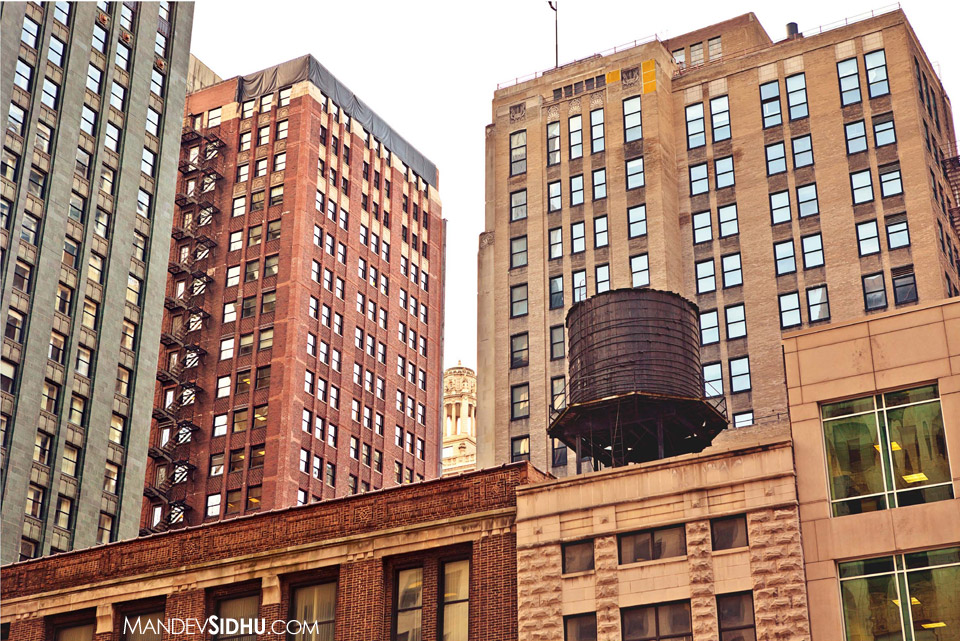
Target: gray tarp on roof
308	68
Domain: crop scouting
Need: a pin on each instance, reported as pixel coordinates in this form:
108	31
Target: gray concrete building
91	98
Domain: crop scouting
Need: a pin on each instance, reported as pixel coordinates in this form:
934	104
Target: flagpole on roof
556	33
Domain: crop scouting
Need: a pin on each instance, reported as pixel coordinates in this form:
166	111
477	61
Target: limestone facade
754	480
894	351
459	420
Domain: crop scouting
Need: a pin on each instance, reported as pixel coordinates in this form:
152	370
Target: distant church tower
459	420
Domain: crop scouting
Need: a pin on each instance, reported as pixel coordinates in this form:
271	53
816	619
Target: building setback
405	563
875	411
303	332
92	100
777	185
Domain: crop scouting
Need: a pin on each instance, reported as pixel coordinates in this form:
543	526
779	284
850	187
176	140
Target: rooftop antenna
556	33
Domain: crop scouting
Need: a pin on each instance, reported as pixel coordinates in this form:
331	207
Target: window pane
853	459
870	609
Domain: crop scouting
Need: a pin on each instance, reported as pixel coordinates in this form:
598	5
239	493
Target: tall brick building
303	332
91	100
779	185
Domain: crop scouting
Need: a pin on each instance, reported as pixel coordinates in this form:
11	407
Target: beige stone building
701	165
875	410
702	546
459	420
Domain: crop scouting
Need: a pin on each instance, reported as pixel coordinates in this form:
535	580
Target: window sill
643	564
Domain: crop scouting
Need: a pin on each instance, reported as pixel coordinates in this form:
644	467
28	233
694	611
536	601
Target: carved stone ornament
518	112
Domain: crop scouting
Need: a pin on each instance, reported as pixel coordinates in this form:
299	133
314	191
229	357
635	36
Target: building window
635	178
735	616
890	181
736	321
520	449
875	593
904	286
600	182
555	201
898	234
580	627
884	133
316	605
602	278
802	151
632	121
576	190
861	185
740	374
556	243
518	300
553	143
868	238
636	221
874	292
712	380
723	172
702	229
806	200
812	251
518	252
596	131
729	225
519	401
709	327
886	450
699	180
876	64
657	622
790	310
576	137
742	419
518	205
600	232
409	605
818	306
720	118
706	276
579	285
244	609
770	104
783	253
776	159
797	96
849	76
455	604
519	350
856	134
518	153
652	545
695	126
640	270
557	342
732	270
577	557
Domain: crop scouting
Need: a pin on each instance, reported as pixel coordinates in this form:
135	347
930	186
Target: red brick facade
185	573
380	274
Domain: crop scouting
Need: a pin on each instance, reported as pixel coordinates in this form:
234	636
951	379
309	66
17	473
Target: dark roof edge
309	68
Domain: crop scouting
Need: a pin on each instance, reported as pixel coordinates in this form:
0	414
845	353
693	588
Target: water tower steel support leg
660	436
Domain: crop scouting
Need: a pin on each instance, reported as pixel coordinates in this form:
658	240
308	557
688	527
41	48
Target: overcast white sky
429	68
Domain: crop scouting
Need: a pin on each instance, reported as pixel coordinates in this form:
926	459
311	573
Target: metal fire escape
951	167
190	267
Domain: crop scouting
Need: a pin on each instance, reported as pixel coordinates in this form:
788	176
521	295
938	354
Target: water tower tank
634	340
635	390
